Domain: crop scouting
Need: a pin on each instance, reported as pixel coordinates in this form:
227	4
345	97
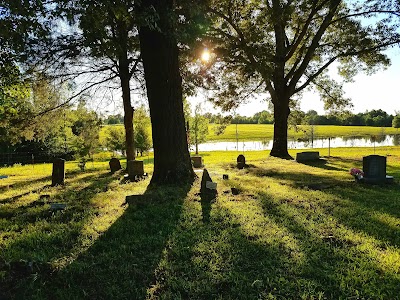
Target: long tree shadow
329	255
121	263
278	258
362	207
39	235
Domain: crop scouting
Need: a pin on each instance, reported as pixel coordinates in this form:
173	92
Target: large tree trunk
159	52
281	114
128	109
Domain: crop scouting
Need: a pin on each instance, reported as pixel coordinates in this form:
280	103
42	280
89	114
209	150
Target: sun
206	55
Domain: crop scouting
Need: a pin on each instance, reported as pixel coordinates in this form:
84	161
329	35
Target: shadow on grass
329	255
216	260
38	235
333	163
121	263
361	207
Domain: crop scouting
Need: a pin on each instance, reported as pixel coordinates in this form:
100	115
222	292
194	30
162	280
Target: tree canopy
286	47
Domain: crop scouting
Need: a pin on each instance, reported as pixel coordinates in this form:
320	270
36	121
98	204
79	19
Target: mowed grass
295	231
260	132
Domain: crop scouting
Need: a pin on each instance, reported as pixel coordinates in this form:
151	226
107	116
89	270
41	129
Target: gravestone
135	169
207	186
374	167
197	161
115	165
235	191
58	175
241	161
57	206
307	156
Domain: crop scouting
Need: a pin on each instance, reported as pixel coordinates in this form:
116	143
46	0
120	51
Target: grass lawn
295	231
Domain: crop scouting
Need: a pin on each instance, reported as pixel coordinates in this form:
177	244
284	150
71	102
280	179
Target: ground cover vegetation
295	231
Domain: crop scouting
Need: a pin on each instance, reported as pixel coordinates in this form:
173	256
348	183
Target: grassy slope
295	231
259	132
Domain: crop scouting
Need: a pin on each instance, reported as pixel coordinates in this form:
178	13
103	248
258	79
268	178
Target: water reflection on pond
372	141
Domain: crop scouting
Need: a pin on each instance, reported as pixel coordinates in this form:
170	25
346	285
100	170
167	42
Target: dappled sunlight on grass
294	231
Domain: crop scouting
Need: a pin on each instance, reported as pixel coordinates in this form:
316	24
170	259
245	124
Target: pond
334	142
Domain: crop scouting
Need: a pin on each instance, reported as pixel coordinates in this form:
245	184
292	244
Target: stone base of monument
307	156
371	180
197	161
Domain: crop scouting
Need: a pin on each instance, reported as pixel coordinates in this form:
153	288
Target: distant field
258	132
249	132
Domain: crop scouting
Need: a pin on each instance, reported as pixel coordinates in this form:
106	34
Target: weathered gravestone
57	206
197	161
135	169
208	192
241	161
58	175
207	187
115	165
307	156
374	167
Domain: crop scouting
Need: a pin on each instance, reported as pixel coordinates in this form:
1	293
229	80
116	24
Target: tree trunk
197	146
128	109
159	52
281	114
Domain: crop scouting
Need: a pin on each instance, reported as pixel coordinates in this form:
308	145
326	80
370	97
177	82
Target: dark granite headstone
115	165
58	175
57	206
135	169
307	156
241	161
374	167
235	191
197	161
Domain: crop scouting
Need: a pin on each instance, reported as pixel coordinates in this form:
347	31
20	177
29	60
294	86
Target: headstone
208	187
374	167
197	161
235	191
115	165
211	185
241	161
58	175
135	169
307	156
57	206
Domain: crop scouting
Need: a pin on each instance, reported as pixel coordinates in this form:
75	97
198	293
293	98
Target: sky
368	92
